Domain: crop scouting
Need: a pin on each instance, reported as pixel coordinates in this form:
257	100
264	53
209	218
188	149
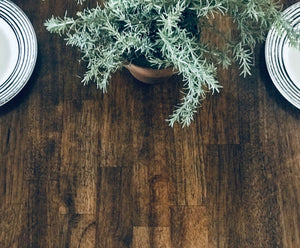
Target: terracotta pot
149	76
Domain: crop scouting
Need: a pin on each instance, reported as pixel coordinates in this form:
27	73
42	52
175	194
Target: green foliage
165	33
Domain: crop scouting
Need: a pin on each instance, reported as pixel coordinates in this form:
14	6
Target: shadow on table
272	92
19	99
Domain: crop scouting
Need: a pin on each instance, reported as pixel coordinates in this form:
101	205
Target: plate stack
18	50
283	60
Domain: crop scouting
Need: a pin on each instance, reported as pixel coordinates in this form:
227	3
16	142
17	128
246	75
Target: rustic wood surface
79	168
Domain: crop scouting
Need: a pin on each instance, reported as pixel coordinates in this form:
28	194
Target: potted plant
163	34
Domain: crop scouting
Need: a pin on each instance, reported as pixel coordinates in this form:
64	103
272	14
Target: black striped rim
27	50
274	49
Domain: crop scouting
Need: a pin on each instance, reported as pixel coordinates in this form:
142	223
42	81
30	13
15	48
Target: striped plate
283	60
18	50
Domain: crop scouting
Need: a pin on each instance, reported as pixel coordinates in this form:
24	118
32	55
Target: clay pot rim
126	64
149	70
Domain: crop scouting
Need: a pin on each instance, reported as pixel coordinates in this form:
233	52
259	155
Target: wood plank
114	213
190	226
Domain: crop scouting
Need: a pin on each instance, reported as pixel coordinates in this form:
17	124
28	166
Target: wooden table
79	168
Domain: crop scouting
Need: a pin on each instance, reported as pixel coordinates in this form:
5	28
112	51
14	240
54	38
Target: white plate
18	50
283	61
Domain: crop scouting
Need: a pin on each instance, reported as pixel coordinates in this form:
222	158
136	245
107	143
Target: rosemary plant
167	33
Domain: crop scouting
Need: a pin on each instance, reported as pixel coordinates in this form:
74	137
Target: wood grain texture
79	168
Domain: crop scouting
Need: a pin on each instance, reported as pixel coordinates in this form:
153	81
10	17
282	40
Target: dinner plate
18	50
283	60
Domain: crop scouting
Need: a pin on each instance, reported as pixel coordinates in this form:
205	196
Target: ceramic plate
18	50
283	60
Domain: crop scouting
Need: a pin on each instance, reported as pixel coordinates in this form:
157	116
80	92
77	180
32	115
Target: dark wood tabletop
79	168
